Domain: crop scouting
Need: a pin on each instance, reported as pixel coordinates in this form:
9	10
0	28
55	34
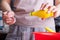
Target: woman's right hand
8	17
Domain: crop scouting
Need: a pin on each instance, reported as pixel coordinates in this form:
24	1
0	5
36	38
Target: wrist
9	10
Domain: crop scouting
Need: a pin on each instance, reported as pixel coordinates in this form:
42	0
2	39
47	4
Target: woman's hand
50	8
8	17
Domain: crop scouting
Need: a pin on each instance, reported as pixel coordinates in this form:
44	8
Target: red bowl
46	36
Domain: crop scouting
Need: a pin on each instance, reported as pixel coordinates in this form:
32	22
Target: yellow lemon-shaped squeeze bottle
42	13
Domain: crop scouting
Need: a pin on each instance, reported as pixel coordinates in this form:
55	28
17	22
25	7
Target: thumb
10	13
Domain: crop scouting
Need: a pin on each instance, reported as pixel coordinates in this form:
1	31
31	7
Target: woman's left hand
50	8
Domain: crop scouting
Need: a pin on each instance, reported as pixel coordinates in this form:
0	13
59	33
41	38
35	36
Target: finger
11	14
11	19
47	6
8	21
44	6
43	18
55	13
52	8
5	16
12	22
41	6
4	13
